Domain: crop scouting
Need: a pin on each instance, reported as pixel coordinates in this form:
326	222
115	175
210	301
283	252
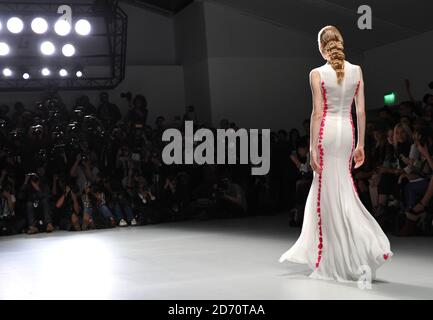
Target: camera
116	133
42	154
73	128
16	134
33	177
37	130
58	149
135	156
126	95
3	123
58	135
79	112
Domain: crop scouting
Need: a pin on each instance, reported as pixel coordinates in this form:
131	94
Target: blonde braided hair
331	42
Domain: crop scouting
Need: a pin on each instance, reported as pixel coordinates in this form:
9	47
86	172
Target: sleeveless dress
340	239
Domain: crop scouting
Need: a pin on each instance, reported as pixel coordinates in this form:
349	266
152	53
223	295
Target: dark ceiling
393	20
167	6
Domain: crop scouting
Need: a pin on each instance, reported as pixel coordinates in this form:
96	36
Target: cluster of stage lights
46	72
47	48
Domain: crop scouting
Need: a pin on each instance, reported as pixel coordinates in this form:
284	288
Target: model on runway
340	240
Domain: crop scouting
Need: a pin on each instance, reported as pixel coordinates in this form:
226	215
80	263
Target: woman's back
339	97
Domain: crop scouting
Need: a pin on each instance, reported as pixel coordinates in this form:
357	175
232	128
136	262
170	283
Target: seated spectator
301	160
87	200
120	201
101	206
9	222
144	200
418	191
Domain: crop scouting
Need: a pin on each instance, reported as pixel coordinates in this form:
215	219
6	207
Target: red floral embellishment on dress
386	256
321	154
357	87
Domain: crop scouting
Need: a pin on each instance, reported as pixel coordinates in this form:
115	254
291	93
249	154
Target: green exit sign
389	99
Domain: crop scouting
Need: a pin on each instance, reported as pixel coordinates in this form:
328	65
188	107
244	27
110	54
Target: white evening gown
340	239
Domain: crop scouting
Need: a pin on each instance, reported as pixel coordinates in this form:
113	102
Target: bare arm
75	202
360	112
316	117
73	171
317	111
296	161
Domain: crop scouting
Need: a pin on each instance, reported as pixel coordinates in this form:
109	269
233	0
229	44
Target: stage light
48	48
45	72
26	76
4	49
82	27
15	25
62	27
39	25
68	50
7	72
63	73
79	74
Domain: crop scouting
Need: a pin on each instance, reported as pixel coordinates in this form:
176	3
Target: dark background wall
249	60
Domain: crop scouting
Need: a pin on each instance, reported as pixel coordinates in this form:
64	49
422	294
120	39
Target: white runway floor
215	259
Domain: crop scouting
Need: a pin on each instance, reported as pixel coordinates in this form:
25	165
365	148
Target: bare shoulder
314	74
358	67
359	70
314	71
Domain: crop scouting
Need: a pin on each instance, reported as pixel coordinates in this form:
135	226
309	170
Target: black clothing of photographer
230	198
35	194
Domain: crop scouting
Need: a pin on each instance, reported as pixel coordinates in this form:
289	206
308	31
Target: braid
333	44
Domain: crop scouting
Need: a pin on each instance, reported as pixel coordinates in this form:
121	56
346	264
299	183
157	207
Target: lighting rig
76	46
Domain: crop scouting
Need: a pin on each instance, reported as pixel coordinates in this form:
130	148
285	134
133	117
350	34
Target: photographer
67	207
34	194
137	114
87	107
84	170
230	198
108	112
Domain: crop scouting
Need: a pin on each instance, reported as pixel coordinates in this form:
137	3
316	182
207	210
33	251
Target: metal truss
116	22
